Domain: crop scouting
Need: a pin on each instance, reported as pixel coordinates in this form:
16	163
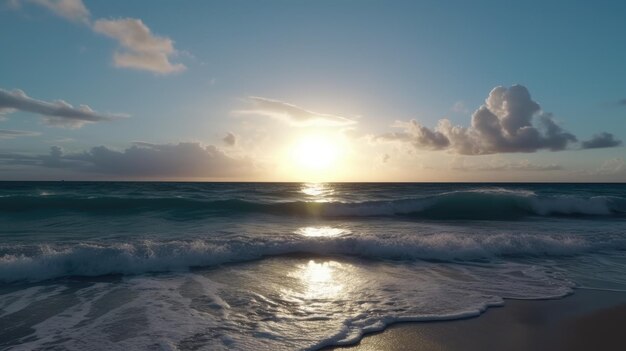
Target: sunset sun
315	153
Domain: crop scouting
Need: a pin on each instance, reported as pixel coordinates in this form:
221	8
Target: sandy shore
586	320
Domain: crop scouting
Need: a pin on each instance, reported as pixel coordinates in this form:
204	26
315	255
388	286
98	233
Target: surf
474	204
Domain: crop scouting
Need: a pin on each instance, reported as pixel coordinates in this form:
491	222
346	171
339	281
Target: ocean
287	266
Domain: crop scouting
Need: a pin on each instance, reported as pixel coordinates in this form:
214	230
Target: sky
293	90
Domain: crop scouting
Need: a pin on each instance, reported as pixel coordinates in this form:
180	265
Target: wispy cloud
292	114
56	113
509	121
614	166
460	107
504	165
10	134
139	47
73	10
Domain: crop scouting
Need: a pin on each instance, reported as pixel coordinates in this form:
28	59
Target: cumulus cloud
10	134
292	114
55	158
56	113
230	139
509	121
140	49
601	140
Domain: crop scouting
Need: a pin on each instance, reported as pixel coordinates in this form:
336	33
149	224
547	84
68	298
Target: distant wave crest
483	204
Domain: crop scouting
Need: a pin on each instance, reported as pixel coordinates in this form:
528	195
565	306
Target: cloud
502	165
292	114
140	48
143	160
10	134
601	140
54	159
164	160
509	121
622	102
614	166
418	135
459	107
73	10
57	113
230	139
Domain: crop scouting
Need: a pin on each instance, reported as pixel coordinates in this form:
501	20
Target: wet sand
586	320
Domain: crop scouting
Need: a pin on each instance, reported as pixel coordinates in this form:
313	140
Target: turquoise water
263	266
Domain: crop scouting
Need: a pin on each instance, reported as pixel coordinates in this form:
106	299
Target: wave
483	204
43	262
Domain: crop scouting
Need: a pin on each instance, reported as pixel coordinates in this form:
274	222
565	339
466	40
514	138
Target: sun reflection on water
322	231
318	279
318	192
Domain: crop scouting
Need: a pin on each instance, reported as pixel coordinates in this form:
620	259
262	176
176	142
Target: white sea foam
266	305
178	255
18	300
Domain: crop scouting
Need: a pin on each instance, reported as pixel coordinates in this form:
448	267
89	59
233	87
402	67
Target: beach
303	266
585	320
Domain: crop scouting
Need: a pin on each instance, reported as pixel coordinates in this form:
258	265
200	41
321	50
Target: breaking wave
42	262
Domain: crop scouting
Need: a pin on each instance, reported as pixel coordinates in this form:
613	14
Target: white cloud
292	114
57	113
509	121
73	10
140	48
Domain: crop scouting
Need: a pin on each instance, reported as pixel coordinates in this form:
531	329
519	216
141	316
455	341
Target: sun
315	153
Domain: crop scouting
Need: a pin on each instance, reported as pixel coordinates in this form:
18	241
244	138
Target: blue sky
378	63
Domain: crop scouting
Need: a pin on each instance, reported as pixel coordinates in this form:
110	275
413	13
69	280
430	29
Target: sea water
287	266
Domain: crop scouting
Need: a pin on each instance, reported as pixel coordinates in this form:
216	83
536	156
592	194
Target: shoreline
587	319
